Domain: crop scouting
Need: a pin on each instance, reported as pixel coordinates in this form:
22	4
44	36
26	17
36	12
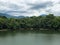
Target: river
29	38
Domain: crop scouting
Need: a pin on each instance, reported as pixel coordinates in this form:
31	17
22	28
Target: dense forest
41	22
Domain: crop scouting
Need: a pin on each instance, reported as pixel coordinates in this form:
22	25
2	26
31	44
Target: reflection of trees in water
3	34
12	33
6	33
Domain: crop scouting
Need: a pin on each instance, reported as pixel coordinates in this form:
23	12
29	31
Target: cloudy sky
29	7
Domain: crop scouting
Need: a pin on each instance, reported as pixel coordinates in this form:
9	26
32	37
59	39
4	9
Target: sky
30	7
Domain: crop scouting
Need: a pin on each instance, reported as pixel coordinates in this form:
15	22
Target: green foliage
46	22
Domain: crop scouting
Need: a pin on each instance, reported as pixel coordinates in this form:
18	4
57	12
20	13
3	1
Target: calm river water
29	39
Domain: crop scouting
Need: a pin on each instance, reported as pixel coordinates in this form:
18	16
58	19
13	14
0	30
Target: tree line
41	22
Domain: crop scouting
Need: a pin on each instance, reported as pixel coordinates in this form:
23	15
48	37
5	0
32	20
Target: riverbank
2	30
47	31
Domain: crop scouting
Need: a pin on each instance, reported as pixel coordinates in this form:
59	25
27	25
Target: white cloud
56	9
24	7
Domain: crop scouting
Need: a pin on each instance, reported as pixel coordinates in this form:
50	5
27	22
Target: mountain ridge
10	16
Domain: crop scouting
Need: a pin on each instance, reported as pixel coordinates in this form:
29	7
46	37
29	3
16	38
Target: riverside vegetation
46	22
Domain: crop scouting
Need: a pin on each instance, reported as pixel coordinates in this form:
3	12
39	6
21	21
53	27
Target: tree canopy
46	22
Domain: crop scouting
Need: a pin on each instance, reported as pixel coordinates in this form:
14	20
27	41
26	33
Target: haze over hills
43	14
10	16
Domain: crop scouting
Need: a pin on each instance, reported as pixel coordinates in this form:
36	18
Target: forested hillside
41	22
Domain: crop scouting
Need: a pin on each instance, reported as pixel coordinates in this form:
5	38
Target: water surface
29	38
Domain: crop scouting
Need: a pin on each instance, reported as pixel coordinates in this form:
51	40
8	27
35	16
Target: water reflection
28	38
